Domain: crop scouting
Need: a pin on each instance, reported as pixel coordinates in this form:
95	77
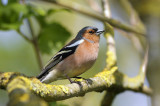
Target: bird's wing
66	51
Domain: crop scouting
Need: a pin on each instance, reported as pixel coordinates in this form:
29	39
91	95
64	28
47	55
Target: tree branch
135	21
79	9
108	99
108	79
133	15
20	95
111	60
23	36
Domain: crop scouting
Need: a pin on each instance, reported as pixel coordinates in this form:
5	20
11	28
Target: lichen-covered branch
102	81
139	78
19	91
111	60
108	98
20	95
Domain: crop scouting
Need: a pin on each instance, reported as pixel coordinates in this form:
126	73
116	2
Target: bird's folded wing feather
61	55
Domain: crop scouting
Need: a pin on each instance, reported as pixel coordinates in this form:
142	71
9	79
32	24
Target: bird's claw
77	82
88	81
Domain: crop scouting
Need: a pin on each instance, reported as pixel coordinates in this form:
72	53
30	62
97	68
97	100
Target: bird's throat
88	40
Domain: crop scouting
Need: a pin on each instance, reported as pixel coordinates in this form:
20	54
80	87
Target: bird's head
91	33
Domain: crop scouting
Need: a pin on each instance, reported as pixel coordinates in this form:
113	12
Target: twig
134	18
37	51
35	45
135	21
136	41
109	34
23	36
144	89
143	68
111	51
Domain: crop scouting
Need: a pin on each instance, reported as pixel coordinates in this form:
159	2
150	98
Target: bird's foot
88	81
77	82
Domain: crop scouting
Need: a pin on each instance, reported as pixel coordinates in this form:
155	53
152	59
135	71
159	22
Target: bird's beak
99	32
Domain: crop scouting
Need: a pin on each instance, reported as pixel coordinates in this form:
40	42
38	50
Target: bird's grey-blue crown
81	32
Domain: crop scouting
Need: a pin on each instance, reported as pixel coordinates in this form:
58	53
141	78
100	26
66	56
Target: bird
74	58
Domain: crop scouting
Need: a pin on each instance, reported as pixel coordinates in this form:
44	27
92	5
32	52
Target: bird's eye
91	32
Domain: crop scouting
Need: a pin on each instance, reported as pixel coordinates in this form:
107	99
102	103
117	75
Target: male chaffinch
74	58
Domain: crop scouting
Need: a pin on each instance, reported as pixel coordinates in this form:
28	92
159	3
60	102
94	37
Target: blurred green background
54	26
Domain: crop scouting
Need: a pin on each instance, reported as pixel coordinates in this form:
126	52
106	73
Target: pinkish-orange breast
80	61
87	52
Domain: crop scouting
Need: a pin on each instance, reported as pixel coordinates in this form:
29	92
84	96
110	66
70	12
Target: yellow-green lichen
64	89
109	29
18	82
24	98
133	82
36	85
111	59
4	78
42	89
46	89
107	75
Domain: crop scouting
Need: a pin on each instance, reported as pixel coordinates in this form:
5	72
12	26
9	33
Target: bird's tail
48	76
43	73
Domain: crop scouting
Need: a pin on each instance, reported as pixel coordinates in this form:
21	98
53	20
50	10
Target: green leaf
51	35
12	15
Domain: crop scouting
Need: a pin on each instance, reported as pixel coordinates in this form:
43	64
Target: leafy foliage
51	34
12	15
